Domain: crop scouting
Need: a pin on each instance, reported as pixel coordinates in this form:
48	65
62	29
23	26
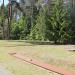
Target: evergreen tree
60	22
38	31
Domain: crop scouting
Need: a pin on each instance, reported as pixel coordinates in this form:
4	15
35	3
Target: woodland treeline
42	20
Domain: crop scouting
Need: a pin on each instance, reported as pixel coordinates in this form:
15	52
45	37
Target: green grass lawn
52	54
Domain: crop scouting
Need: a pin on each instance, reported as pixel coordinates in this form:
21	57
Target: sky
6	2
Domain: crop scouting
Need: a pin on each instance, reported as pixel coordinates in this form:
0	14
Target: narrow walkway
3	71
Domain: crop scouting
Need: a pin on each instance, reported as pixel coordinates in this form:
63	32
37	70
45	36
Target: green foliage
52	23
19	29
6	11
60	23
38	30
0	20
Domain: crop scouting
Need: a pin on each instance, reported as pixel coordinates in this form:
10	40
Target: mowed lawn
57	55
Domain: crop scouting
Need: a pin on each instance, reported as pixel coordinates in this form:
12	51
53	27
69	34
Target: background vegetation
40	20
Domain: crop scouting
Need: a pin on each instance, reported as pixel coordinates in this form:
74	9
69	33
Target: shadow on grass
33	42
71	50
41	42
17	45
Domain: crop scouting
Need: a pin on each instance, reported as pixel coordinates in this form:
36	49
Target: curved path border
42	65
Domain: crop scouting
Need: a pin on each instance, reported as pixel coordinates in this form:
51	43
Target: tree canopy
44	20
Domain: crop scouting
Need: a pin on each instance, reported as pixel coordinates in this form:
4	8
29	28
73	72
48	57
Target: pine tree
38	31
60	22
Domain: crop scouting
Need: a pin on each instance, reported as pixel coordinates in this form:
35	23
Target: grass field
52	54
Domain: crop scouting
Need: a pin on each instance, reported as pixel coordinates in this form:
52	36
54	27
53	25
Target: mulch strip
46	66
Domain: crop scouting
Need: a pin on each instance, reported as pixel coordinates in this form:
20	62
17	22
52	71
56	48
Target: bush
18	29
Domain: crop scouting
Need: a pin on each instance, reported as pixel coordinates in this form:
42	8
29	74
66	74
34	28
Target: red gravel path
42	65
